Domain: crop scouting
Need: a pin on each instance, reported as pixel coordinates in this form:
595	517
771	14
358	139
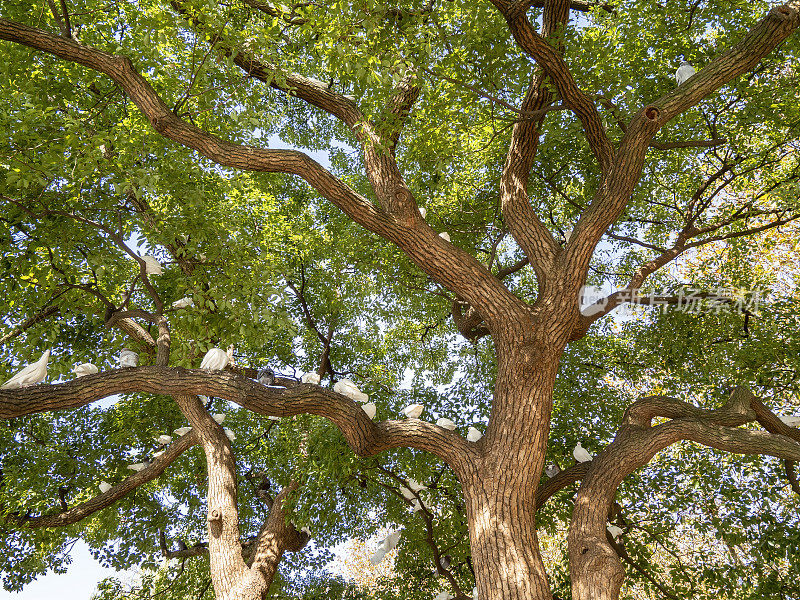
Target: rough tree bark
500	474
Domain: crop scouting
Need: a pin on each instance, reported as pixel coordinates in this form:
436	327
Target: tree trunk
505	549
500	489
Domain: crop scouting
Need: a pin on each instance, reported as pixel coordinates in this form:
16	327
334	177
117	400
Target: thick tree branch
446	263
593	562
769	33
364	437
551	61
621	177
276	537
227	564
530	233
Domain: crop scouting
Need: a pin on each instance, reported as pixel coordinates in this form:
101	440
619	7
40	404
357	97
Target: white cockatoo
183	303
163	439
475	593
445	423
552	470
581	454
445	236
416	486
443	596
104	487
230	435
407	493
30	375
346	387
416	505
215	359
473	435
791	420
218	418
422	212
370	409
273	418
615	531
85	369
684	72
182	430
413	411
128	358
158	454
138	466
310	377
151	265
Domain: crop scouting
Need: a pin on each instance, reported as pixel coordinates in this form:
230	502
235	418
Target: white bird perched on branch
415	486
183	303
552	470
581	454
85	369
413	411
684	72
422	212
139	466
615	531
407	493
791	420
310	377
215	359
218	417
230	435
30	375
104	487
128	358
163	439
473	435
182	430
151	265
273	418
348	388
158	454
445	236
443	596
370	409
445	423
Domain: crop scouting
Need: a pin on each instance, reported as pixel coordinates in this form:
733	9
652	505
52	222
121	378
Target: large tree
550	141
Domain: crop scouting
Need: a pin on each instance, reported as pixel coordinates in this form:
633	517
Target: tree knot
652	113
783	12
214	515
159	122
